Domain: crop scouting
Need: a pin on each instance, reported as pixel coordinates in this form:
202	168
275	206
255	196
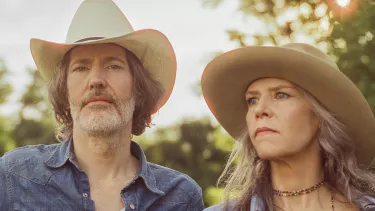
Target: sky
196	33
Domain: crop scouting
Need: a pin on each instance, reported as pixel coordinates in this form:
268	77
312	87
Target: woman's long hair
246	174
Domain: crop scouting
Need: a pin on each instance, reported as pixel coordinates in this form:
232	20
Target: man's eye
80	68
116	67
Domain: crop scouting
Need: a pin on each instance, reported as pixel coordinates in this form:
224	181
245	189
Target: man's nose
97	79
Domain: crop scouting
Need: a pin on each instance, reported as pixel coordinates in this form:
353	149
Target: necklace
305	191
333	205
300	192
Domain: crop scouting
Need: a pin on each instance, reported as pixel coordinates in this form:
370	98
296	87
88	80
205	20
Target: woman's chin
271	155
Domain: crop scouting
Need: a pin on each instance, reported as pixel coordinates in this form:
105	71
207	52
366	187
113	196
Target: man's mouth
98	100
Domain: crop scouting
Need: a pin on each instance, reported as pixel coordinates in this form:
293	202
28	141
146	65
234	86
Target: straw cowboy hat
226	79
101	21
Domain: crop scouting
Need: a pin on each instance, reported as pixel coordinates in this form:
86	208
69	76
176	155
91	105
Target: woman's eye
281	95
251	100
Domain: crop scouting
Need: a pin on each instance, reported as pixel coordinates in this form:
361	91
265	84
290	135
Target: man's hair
146	90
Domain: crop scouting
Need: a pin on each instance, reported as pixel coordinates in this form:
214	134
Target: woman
305	133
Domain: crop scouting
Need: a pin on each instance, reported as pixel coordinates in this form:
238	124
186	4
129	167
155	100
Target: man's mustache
97	93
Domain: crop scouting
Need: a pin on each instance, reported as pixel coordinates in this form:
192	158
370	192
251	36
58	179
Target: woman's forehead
265	83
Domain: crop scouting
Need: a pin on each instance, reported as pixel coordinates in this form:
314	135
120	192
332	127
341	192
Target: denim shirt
48	177
365	203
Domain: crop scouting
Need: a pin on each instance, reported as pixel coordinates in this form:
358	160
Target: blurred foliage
5	87
5	126
36	123
352	43
346	33
198	147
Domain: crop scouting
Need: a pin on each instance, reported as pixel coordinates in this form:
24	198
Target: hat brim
151	46
227	77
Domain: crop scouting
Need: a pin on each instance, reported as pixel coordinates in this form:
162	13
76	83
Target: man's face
100	88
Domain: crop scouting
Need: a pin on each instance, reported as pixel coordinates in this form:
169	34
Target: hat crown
97	19
312	51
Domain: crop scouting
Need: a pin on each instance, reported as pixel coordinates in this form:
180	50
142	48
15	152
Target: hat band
89	38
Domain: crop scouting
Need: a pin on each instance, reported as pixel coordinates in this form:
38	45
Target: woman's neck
299	172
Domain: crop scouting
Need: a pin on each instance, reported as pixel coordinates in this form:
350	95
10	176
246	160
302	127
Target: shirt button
132	206
84	195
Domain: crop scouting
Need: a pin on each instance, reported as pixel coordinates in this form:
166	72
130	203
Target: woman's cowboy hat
101	21
226	79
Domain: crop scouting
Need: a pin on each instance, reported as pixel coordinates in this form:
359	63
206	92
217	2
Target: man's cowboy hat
226	79
101	21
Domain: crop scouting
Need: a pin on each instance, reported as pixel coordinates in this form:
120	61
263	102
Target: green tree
352	43
5	86
35	123
346	33
6	141
280	21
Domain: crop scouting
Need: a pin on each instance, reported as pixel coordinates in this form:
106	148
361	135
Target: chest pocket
36	195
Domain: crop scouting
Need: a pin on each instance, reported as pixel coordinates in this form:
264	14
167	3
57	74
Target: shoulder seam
175	171
196	198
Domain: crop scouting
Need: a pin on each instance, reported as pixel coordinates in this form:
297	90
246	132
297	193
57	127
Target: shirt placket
84	189
129	198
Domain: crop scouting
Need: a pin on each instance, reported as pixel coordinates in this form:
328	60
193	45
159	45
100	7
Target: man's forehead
97	50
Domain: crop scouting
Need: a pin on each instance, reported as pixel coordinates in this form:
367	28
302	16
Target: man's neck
105	158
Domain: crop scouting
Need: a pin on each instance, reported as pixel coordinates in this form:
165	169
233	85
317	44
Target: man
104	85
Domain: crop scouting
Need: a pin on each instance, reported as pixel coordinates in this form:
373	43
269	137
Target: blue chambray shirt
47	177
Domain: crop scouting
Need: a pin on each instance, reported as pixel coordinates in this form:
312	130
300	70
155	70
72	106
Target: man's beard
102	120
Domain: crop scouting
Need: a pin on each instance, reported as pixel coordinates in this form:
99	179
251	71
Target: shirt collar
60	155
257	203
64	152
145	171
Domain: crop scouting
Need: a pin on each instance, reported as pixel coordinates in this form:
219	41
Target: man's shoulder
27	161
217	207
180	181
221	206
30	152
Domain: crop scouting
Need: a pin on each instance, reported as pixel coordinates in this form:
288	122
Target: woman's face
280	120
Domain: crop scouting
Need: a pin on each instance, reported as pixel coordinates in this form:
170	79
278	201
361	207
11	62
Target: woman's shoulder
366	202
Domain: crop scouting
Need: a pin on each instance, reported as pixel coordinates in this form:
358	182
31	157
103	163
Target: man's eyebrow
80	61
114	58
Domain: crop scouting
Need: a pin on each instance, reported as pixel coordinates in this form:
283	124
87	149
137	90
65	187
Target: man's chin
101	122
99	129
